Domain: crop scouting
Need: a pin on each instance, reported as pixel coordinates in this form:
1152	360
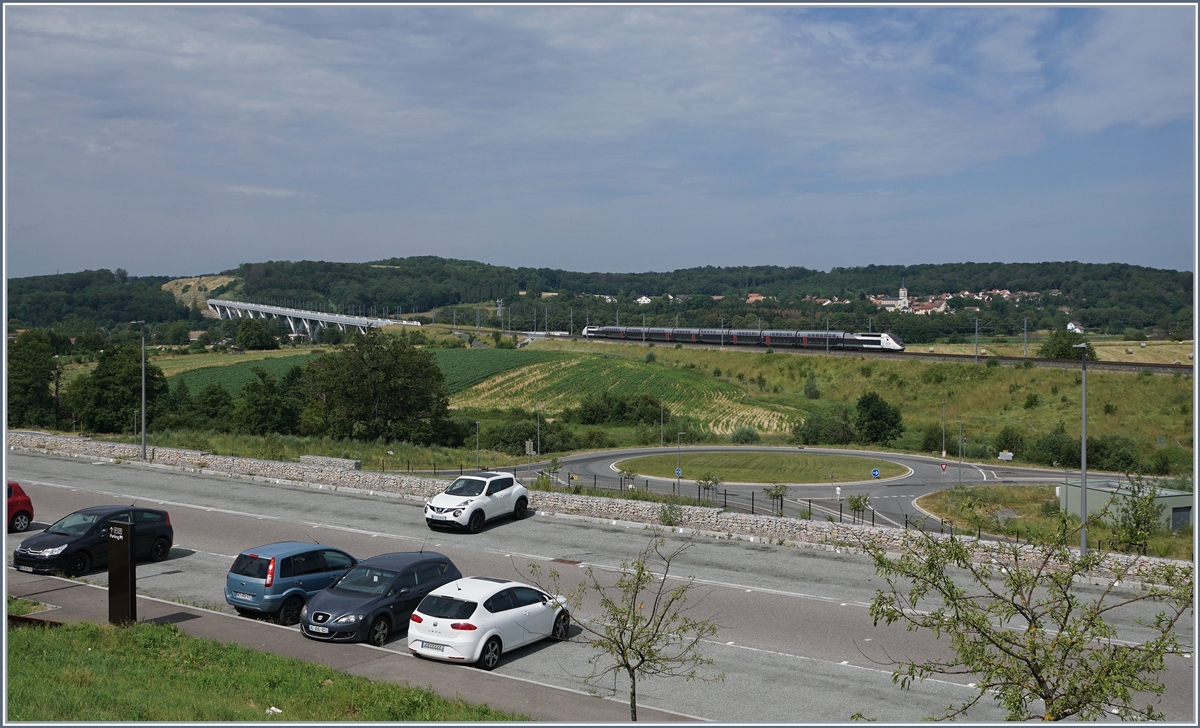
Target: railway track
1112	366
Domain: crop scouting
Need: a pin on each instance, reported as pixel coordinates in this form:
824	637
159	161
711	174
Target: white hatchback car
472	499
478	618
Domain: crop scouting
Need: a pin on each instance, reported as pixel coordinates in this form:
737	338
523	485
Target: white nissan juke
472	499
479	618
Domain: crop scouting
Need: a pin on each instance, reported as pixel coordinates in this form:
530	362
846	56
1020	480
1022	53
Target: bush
931	439
1009	438
744	436
1032	400
670	514
878	421
1060	345
651	358
825	427
810	386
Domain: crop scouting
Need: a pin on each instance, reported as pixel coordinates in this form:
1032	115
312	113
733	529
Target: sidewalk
80	602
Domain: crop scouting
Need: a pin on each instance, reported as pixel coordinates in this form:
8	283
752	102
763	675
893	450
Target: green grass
374	455
984	398
763	467
635	493
19	606
148	672
233	376
1028	511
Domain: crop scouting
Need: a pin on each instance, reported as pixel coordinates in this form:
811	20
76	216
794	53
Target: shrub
1009	438
878	421
651	358
810	386
825	427
1032	400
670	514
931	439
747	435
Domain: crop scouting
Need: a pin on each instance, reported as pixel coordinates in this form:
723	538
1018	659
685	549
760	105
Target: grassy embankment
1028	512
149	672
759	467
984	398
20	607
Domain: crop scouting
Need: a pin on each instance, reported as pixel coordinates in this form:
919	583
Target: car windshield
446	607
365	580
75	524
466	486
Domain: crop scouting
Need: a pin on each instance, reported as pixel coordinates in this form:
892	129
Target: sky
177	140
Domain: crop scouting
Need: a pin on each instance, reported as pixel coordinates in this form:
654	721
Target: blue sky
185	140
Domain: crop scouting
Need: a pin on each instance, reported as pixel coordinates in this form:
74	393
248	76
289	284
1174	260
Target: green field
567	380
150	672
233	376
462	367
466	367
764	467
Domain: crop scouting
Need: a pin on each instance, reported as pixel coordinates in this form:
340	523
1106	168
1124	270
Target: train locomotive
751	337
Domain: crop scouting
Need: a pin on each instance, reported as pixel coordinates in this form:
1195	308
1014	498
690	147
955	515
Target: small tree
708	482
776	492
878	421
1060	345
859	504
644	628
553	468
627	474
1136	516
810	386
1016	621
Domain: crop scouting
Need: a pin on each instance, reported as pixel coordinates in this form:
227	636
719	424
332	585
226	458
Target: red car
20	508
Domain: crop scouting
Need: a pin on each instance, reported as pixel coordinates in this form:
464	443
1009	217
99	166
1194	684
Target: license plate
247	597
435	648
24	568
317	629
437	517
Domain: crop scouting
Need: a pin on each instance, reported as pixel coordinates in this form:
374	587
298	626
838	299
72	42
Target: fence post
872	518
593	480
751	502
726	499
840	519
810	513
905	521
697	493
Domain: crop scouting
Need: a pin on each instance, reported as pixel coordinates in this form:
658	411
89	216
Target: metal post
960	443
1025	341
751	502
143	323
839	512
943	429
826	334
539	431
1083	513
477	444
678	435
976	341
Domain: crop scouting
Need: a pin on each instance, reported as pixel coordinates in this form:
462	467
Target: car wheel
78	564
159	550
379	632
562	626
490	657
521	509
289	612
475	522
19	522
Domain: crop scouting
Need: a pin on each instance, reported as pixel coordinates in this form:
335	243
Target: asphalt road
796	642
891	498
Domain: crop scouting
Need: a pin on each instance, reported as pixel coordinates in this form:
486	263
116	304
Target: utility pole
1025	338
643	328
1083	513
976	341
678	435
960	444
477	444
943	429
539	431
143	323
660	422
571	326
870	319
826	334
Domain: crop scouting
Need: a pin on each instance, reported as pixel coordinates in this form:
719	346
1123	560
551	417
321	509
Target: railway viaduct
300	321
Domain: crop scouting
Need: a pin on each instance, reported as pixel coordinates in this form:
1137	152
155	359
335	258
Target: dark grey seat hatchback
78	543
376	597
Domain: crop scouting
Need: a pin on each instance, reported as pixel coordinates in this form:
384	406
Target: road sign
875	473
678	472
529	447
943	467
1006	455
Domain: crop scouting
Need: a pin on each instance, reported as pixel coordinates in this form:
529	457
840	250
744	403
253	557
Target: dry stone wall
714	521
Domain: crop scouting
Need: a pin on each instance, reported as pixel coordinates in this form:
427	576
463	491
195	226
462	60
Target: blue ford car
277	579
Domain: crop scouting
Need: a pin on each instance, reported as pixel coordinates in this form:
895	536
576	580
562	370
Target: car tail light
168	515
416	618
464	626
271	572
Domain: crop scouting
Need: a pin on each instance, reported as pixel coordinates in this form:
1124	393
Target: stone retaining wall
343	463
710	520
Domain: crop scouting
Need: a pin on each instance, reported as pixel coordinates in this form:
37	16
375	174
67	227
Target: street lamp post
1083	513
660	422
539	431
143	323
477	444
943	429
678	436
960	442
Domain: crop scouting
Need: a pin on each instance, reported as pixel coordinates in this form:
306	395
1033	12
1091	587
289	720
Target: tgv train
750	337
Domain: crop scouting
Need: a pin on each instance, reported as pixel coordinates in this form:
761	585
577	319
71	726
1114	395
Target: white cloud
264	191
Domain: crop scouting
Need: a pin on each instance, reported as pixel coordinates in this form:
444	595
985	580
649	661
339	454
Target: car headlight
51	552
458	513
304	610
348	619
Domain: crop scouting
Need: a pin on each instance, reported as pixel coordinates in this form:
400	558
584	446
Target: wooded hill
1111	298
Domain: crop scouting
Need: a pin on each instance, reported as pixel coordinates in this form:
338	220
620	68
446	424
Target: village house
642	300
755	298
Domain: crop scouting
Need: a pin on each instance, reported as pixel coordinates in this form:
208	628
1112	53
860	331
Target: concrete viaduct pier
301	322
